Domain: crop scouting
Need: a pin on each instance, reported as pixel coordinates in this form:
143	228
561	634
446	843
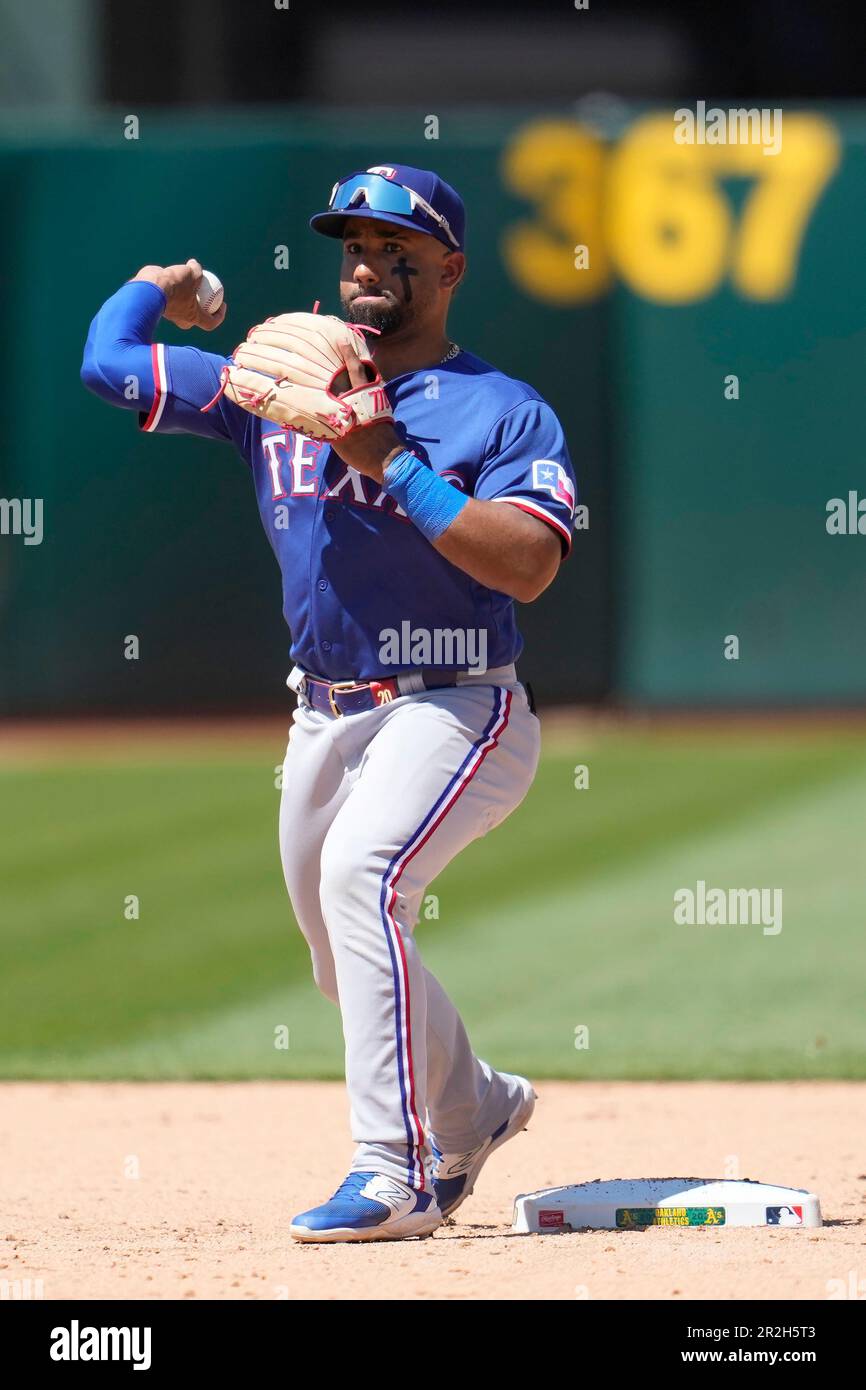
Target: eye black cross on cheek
404	270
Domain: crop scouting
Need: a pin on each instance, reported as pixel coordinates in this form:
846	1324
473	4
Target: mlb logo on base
784	1216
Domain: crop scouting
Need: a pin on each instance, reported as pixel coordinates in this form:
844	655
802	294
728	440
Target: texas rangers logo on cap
547	473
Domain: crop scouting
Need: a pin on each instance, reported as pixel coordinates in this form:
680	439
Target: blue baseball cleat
370	1206
454	1175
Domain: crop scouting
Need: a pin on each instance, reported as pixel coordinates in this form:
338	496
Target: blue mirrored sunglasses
381	195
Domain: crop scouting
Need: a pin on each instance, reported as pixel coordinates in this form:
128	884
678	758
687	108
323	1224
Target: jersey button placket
322	514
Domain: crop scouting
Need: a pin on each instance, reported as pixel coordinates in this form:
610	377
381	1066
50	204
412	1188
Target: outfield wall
707	512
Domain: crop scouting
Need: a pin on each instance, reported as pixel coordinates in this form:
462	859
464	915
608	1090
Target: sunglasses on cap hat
382	195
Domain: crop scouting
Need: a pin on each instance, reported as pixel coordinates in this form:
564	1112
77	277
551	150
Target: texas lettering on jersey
293	462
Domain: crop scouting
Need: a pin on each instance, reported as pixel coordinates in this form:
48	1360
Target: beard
387	318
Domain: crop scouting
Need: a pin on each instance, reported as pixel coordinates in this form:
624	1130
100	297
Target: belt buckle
340	685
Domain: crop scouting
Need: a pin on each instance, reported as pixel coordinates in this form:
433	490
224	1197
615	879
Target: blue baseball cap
415	198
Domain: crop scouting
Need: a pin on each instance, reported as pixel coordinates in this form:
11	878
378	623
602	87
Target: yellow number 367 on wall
652	209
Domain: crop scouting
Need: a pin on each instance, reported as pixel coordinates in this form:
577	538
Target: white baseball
210	292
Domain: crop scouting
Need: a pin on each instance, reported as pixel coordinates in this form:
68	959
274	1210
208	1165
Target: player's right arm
167	385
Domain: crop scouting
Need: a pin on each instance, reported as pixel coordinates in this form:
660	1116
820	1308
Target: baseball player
411	492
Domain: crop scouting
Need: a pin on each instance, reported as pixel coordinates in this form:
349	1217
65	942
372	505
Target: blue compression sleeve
428	501
118	345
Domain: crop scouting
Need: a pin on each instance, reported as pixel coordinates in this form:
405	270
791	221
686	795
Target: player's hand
179	284
371	449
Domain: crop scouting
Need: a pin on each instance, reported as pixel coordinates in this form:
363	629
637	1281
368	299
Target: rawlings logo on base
551	1218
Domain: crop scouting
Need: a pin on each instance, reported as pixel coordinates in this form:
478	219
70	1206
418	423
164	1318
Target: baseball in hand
210	292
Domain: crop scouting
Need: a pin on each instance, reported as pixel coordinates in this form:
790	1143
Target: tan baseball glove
308	372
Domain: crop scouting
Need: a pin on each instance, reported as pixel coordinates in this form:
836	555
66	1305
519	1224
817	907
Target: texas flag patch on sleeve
550	476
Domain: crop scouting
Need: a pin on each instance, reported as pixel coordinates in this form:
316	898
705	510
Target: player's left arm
512	534
502	548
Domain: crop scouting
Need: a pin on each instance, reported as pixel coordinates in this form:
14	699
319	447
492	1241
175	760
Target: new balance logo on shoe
387	1190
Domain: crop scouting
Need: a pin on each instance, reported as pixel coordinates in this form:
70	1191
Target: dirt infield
104	738
118	1190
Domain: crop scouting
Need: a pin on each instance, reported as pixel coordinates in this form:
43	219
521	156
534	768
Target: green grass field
562	918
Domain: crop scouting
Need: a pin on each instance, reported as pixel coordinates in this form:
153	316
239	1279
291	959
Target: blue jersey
354	567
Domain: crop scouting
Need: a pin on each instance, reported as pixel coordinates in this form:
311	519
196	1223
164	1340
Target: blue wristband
427	499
